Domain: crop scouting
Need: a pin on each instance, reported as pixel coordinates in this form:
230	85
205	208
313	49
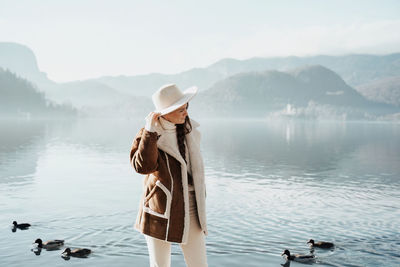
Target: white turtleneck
169	128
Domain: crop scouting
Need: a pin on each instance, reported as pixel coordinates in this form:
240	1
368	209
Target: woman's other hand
151	121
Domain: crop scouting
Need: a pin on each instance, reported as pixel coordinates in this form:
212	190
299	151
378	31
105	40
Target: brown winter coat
164	206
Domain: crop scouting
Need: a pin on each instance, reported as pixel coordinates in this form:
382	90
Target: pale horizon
82	40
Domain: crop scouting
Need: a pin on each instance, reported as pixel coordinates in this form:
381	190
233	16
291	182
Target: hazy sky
80	39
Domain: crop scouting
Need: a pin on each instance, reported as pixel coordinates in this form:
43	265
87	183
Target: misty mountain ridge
145	85
98	100
232	82
355	70
257	94
83	93
384	90
19	98
21	60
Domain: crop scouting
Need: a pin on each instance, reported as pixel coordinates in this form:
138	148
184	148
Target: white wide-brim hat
169	98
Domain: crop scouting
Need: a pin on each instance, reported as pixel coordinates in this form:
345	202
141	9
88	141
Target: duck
320	244
51	244
78	252
21	226
297	257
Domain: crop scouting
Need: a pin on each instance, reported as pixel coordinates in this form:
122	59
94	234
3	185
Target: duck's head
286	252
15	223
39	242
311	241
67	252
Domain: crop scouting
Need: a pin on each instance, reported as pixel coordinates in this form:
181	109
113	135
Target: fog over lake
271	185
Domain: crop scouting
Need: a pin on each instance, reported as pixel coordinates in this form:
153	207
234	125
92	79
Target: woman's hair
182	130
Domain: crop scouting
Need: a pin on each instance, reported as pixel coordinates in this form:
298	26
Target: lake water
271	185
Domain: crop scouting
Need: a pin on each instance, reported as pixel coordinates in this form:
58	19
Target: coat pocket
155	226
158	201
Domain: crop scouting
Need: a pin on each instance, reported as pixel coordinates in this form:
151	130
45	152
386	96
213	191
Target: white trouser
194	250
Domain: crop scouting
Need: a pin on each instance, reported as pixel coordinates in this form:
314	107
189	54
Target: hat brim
188	94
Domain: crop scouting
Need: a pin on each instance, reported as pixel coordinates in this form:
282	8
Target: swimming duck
320	244
21	226
297	257
51	244
78	252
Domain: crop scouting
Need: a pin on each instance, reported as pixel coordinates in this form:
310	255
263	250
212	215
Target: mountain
145	85
21	60
385	90
20	98
95	99
91	97
257	94
230	87
85	94
326	87
354	69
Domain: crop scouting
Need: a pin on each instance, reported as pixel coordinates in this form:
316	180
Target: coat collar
165	125
168	142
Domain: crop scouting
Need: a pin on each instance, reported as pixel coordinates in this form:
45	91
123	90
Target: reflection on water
305	146
270	186
20	144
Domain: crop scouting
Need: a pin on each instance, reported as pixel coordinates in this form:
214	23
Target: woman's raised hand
151	121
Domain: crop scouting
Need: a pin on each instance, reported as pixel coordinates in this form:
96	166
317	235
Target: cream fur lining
172	190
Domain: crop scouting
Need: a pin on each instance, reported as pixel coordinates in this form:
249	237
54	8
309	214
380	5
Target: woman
172	208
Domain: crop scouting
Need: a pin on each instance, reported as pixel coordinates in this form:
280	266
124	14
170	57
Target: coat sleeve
144	152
